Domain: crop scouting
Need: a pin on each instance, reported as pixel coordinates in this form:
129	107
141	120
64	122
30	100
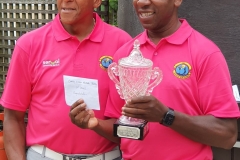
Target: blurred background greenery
113	7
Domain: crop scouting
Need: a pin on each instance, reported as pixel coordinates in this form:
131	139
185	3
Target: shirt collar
61	34
178	37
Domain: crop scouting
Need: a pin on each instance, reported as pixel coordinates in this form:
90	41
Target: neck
80	30
156	35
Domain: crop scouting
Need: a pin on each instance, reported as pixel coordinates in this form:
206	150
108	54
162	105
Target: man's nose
143	1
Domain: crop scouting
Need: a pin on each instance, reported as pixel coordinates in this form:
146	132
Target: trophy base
131	131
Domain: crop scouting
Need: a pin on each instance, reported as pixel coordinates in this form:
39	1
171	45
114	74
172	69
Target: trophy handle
157	75
112	73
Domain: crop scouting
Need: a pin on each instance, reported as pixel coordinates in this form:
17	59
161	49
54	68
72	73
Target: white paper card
84	88
236	93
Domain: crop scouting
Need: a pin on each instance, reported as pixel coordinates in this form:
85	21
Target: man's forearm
105	129
14	139
207	129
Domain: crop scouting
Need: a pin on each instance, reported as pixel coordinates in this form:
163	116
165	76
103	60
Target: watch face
168	118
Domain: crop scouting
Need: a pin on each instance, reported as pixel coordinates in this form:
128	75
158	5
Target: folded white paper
84	88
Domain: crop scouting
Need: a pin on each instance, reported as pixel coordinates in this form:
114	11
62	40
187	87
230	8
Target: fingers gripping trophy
135	78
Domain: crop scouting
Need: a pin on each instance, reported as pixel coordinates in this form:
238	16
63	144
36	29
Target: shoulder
195	39
35	34
202	48
35	38
203	43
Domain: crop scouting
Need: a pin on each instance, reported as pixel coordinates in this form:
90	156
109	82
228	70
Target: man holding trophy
192	106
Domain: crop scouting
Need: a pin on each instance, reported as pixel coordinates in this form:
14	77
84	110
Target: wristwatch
168	118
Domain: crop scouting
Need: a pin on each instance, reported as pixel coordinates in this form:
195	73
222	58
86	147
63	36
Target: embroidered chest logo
50	63
182	70
105	61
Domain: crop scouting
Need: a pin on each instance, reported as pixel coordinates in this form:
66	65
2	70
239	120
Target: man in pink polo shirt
77	43
193	108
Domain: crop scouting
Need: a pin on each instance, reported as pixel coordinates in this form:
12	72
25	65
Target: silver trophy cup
136	78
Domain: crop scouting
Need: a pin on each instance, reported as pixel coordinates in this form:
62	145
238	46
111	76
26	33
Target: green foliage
113	7
113	4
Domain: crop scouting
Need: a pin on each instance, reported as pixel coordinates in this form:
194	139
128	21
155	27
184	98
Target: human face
76	11
157	14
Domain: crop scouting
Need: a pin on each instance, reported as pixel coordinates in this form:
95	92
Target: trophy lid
135	59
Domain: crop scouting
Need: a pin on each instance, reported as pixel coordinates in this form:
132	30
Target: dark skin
77	16
85	119
77	19
160	19
205	129
15	142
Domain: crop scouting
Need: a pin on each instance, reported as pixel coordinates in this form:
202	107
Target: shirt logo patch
182	70
105	61
50	63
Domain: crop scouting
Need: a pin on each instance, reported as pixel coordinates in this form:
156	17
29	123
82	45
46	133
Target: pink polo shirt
35	81
196	81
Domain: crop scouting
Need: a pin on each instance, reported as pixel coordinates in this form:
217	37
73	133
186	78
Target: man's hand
85	119
81	116
145	107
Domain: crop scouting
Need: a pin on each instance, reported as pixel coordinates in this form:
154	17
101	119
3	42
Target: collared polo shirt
35	81
196	81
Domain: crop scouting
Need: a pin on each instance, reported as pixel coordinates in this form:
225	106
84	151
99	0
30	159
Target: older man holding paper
50	67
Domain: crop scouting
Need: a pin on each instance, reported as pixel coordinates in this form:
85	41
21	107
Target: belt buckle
74	157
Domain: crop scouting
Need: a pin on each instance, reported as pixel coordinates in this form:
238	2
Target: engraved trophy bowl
135	78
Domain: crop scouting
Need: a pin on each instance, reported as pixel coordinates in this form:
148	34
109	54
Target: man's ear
178	3
96	3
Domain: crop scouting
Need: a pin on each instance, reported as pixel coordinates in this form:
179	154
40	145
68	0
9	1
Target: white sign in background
236	93
84	88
